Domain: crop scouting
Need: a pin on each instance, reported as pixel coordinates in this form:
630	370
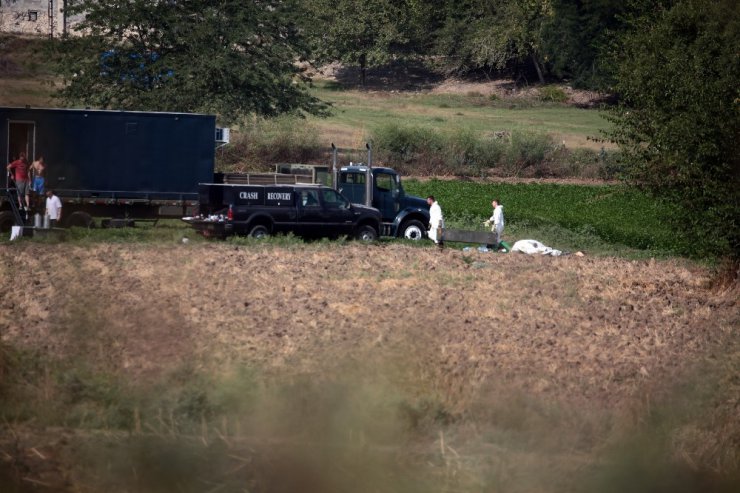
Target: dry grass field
345	367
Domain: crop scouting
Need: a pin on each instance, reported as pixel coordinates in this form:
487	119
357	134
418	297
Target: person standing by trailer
38	168
19	168
436	222
53	208
496	221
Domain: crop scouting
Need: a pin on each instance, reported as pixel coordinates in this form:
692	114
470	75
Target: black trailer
110	164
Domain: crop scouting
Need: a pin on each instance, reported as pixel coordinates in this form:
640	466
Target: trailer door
21	138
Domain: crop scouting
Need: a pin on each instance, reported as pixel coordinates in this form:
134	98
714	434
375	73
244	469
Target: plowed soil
600	333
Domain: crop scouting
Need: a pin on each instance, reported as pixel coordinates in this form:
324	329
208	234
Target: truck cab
404	216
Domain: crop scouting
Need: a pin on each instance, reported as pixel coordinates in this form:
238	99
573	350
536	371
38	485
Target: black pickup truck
306	210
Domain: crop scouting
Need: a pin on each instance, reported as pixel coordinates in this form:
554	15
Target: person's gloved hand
487	222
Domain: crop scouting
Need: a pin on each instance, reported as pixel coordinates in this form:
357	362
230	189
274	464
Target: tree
575	37
494	34
229	57
678	124
366	33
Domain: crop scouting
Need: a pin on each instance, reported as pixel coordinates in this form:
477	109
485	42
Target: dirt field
465	331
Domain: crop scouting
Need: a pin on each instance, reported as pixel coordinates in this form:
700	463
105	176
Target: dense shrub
552	94
418	150
527	149
423	151
260	143
468	154
410	149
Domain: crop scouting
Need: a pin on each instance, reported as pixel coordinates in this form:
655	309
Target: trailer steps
12	195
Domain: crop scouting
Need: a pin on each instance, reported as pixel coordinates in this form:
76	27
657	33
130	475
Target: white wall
33	17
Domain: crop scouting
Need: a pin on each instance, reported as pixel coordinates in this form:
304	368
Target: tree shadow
396	76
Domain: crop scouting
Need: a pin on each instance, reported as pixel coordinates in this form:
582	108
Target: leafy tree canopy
575	37
491	34
679	121
366	33
231	57
556	38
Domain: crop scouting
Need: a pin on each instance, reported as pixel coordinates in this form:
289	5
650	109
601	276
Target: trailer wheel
366	233
80	219
259	232
412	230
7	220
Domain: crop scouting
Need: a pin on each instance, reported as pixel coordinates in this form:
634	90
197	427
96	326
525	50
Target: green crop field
606	219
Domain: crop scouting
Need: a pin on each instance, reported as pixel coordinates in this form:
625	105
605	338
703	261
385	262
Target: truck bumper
209	229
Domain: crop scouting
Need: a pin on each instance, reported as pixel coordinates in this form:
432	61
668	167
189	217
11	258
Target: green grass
608	219
359	112
163	231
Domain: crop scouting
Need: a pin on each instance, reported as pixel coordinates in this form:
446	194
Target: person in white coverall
496	221
436	222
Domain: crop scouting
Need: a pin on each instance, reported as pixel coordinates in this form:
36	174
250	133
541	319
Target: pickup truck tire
366	233
259	232
412	230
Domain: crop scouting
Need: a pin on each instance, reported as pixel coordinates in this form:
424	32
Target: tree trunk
363	70
538	68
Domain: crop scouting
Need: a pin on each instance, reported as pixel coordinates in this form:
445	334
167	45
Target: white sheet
534	247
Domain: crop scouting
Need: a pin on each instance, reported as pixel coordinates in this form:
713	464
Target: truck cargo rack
266	179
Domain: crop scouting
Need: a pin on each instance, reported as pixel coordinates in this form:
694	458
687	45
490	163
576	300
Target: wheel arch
373	222
410	215
259	219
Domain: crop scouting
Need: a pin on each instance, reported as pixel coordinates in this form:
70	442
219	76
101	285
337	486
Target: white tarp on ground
16	232
534	247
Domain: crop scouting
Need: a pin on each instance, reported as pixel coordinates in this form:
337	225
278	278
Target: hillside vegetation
450	127
25	78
